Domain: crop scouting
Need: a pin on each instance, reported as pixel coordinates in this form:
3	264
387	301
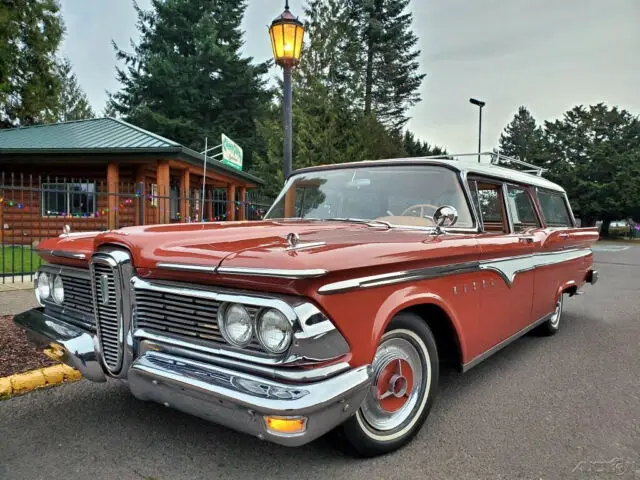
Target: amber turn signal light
286	425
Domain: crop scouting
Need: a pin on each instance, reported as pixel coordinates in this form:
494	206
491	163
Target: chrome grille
108	313
77	307
77	294
182	315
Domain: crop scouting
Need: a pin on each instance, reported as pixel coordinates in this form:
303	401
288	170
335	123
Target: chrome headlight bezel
42	287
285	327
223	324
57	296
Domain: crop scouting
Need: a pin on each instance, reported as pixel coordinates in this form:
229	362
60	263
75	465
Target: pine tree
594	153
522	138
186	78
392	72
30	33
73	103
416	148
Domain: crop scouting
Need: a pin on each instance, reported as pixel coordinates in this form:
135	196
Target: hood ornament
293	242
293	239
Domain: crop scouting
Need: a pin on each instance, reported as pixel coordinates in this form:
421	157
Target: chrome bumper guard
236	399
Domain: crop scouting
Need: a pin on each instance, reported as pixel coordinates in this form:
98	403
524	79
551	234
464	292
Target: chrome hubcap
397	382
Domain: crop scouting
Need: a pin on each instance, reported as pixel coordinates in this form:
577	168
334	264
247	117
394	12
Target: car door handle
526	239
564	236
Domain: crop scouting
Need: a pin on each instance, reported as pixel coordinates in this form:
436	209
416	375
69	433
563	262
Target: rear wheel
552	325
405	376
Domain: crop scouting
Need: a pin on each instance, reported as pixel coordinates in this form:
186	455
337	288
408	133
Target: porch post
140	198
243	198
231	202
163	181
185	191
208	206
113	180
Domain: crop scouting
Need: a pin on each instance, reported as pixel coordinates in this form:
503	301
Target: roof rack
495	158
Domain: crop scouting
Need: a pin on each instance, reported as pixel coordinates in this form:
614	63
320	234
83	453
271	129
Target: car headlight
274	331
57	291
235	324
43	287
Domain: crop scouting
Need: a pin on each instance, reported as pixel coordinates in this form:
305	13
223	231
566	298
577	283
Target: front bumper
236	399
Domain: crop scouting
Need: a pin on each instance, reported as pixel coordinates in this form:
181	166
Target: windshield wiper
359	220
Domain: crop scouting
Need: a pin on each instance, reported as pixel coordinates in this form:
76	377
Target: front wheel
405	373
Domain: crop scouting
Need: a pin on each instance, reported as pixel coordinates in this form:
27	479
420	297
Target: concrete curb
42	377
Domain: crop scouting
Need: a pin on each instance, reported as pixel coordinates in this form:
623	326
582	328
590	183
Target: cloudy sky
546	54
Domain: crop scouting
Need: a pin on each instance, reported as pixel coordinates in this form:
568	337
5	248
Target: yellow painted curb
41	377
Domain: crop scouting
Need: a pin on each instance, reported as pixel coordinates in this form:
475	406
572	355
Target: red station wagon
335	312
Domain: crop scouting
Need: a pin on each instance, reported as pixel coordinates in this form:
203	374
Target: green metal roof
102	135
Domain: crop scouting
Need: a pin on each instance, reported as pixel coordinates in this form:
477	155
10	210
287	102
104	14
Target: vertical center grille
108	279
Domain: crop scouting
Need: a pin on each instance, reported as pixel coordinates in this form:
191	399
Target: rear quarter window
554	209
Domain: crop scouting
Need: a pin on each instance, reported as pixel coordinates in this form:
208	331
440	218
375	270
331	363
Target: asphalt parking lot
565	407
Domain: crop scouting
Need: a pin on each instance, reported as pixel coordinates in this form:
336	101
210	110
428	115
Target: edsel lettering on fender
333	313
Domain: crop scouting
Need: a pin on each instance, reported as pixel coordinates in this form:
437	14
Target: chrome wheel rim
555	317
398	385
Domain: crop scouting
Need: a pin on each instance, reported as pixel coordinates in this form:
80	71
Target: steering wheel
420	207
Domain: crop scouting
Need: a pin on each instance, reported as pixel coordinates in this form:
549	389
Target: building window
68	199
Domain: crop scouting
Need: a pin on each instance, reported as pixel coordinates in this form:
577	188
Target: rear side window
554	209
523	215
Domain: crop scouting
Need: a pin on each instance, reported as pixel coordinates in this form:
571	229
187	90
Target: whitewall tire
405	373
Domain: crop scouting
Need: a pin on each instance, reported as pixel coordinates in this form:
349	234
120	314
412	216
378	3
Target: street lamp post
480	104
286	33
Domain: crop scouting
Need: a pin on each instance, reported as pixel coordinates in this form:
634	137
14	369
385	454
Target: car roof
463	165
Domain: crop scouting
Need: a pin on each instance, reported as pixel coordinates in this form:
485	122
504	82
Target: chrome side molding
507	268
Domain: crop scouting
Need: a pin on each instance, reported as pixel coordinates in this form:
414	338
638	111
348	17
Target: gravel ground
17	354
565	407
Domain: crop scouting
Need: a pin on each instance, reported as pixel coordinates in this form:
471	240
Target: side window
523	214
487	198
554	209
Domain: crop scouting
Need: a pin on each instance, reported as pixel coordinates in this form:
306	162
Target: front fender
409	297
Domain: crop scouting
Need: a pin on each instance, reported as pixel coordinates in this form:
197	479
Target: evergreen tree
416	148
30	33
392	72
594	153
522	138
73	103
186	78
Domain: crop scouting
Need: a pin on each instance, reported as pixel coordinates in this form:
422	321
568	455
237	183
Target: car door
562	251
505	261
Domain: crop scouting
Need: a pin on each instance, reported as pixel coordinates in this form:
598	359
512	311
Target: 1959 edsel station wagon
335	312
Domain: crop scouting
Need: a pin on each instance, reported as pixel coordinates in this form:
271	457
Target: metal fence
33	208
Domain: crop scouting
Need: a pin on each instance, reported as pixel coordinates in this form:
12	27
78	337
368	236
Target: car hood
323	245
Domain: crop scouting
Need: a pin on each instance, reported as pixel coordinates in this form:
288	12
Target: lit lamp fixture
287	33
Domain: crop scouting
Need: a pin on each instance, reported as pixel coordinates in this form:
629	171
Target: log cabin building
105	173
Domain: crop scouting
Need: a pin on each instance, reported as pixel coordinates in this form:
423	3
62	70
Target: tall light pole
480	104
286	33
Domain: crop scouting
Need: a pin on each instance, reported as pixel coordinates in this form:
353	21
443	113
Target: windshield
399	195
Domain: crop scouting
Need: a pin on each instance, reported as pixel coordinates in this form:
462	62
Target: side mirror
445	216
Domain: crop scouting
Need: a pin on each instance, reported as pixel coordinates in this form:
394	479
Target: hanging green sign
231	153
